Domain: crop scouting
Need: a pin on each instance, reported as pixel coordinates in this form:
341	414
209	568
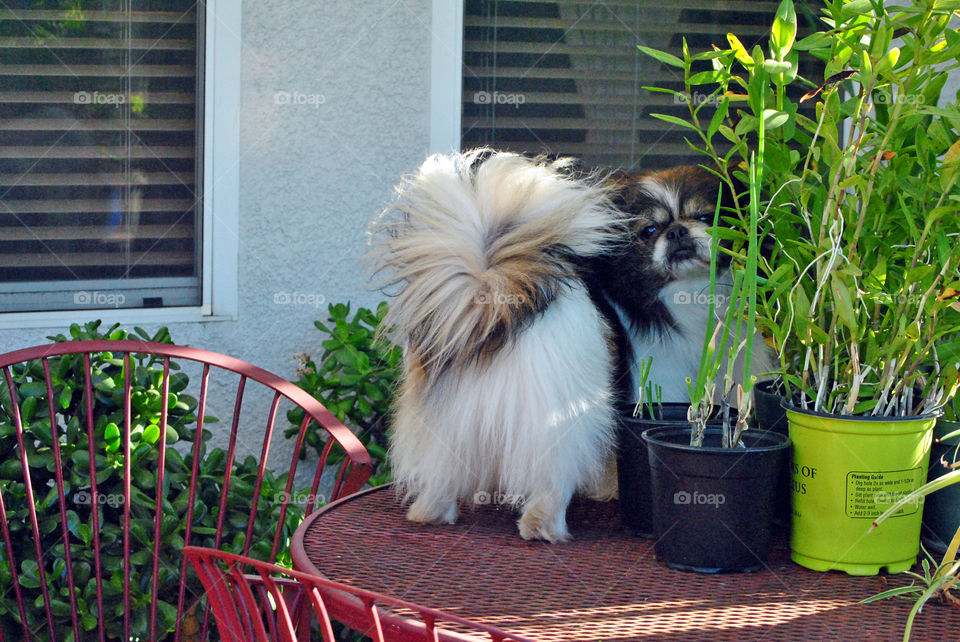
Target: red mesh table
604	585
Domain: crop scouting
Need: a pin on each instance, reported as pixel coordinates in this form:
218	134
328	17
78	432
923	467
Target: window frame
446	76
219	259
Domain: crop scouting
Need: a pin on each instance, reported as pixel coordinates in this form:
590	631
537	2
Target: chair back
253	600
108	470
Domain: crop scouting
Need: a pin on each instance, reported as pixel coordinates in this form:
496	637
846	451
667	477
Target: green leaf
60	608
729	134
843	302
739	51
65	396
675	121
662	56
707	77
34	389
151	434
717	118
784	29
894	592
746	125
856	8
28	409
818	40
772	119
111	432
29	574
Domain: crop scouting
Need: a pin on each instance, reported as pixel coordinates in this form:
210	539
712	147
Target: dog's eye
648	231
705	218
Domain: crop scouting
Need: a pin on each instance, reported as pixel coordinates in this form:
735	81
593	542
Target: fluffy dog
655	290
508	364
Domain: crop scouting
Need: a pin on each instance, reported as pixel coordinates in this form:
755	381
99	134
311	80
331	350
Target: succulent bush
354	378
146	404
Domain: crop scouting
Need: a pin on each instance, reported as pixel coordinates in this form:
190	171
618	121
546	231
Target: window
566	77
102	154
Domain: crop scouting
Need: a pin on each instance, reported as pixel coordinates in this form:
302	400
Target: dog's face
672	211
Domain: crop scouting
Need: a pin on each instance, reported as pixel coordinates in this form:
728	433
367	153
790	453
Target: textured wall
355	77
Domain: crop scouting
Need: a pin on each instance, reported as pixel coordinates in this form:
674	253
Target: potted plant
713	486
861	293
858	290
860	287
633	469
938	579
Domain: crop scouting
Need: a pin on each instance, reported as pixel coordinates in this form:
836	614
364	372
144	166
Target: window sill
60	320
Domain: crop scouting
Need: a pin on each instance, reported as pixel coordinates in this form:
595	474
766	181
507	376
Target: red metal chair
37	482
264	604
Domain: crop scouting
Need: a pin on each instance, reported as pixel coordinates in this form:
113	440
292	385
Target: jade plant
146	403
858	203
354	377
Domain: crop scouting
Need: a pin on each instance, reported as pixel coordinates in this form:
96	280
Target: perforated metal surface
605	585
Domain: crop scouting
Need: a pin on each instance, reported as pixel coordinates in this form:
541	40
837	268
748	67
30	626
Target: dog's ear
624	190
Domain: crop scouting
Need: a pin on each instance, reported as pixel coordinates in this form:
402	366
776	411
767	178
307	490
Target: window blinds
99	154
566	77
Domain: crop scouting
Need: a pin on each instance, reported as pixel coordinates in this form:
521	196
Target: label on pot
869	493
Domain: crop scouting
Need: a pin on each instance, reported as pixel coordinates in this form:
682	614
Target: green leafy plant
146	404
354	378
649	395
937	579
859	203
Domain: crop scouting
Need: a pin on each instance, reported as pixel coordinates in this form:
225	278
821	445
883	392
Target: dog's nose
677	232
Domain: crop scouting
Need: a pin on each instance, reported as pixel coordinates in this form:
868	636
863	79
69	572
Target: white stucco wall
312	176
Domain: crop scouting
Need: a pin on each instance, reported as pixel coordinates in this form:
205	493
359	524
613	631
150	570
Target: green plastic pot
846	471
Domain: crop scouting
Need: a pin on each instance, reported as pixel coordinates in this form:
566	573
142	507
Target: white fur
441	247
676	353
530	418
668	196
535	423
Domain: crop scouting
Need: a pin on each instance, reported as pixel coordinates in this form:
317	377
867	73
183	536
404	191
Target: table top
604	585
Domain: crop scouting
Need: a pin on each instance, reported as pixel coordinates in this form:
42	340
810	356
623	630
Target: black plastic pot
768	406
712	506
633	468
941	509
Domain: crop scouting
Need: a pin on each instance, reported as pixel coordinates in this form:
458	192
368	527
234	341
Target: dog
508	367
655	290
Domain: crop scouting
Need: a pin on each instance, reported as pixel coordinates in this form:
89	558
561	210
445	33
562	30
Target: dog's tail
479	244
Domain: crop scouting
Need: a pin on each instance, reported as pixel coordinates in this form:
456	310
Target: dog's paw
535	524
432	512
